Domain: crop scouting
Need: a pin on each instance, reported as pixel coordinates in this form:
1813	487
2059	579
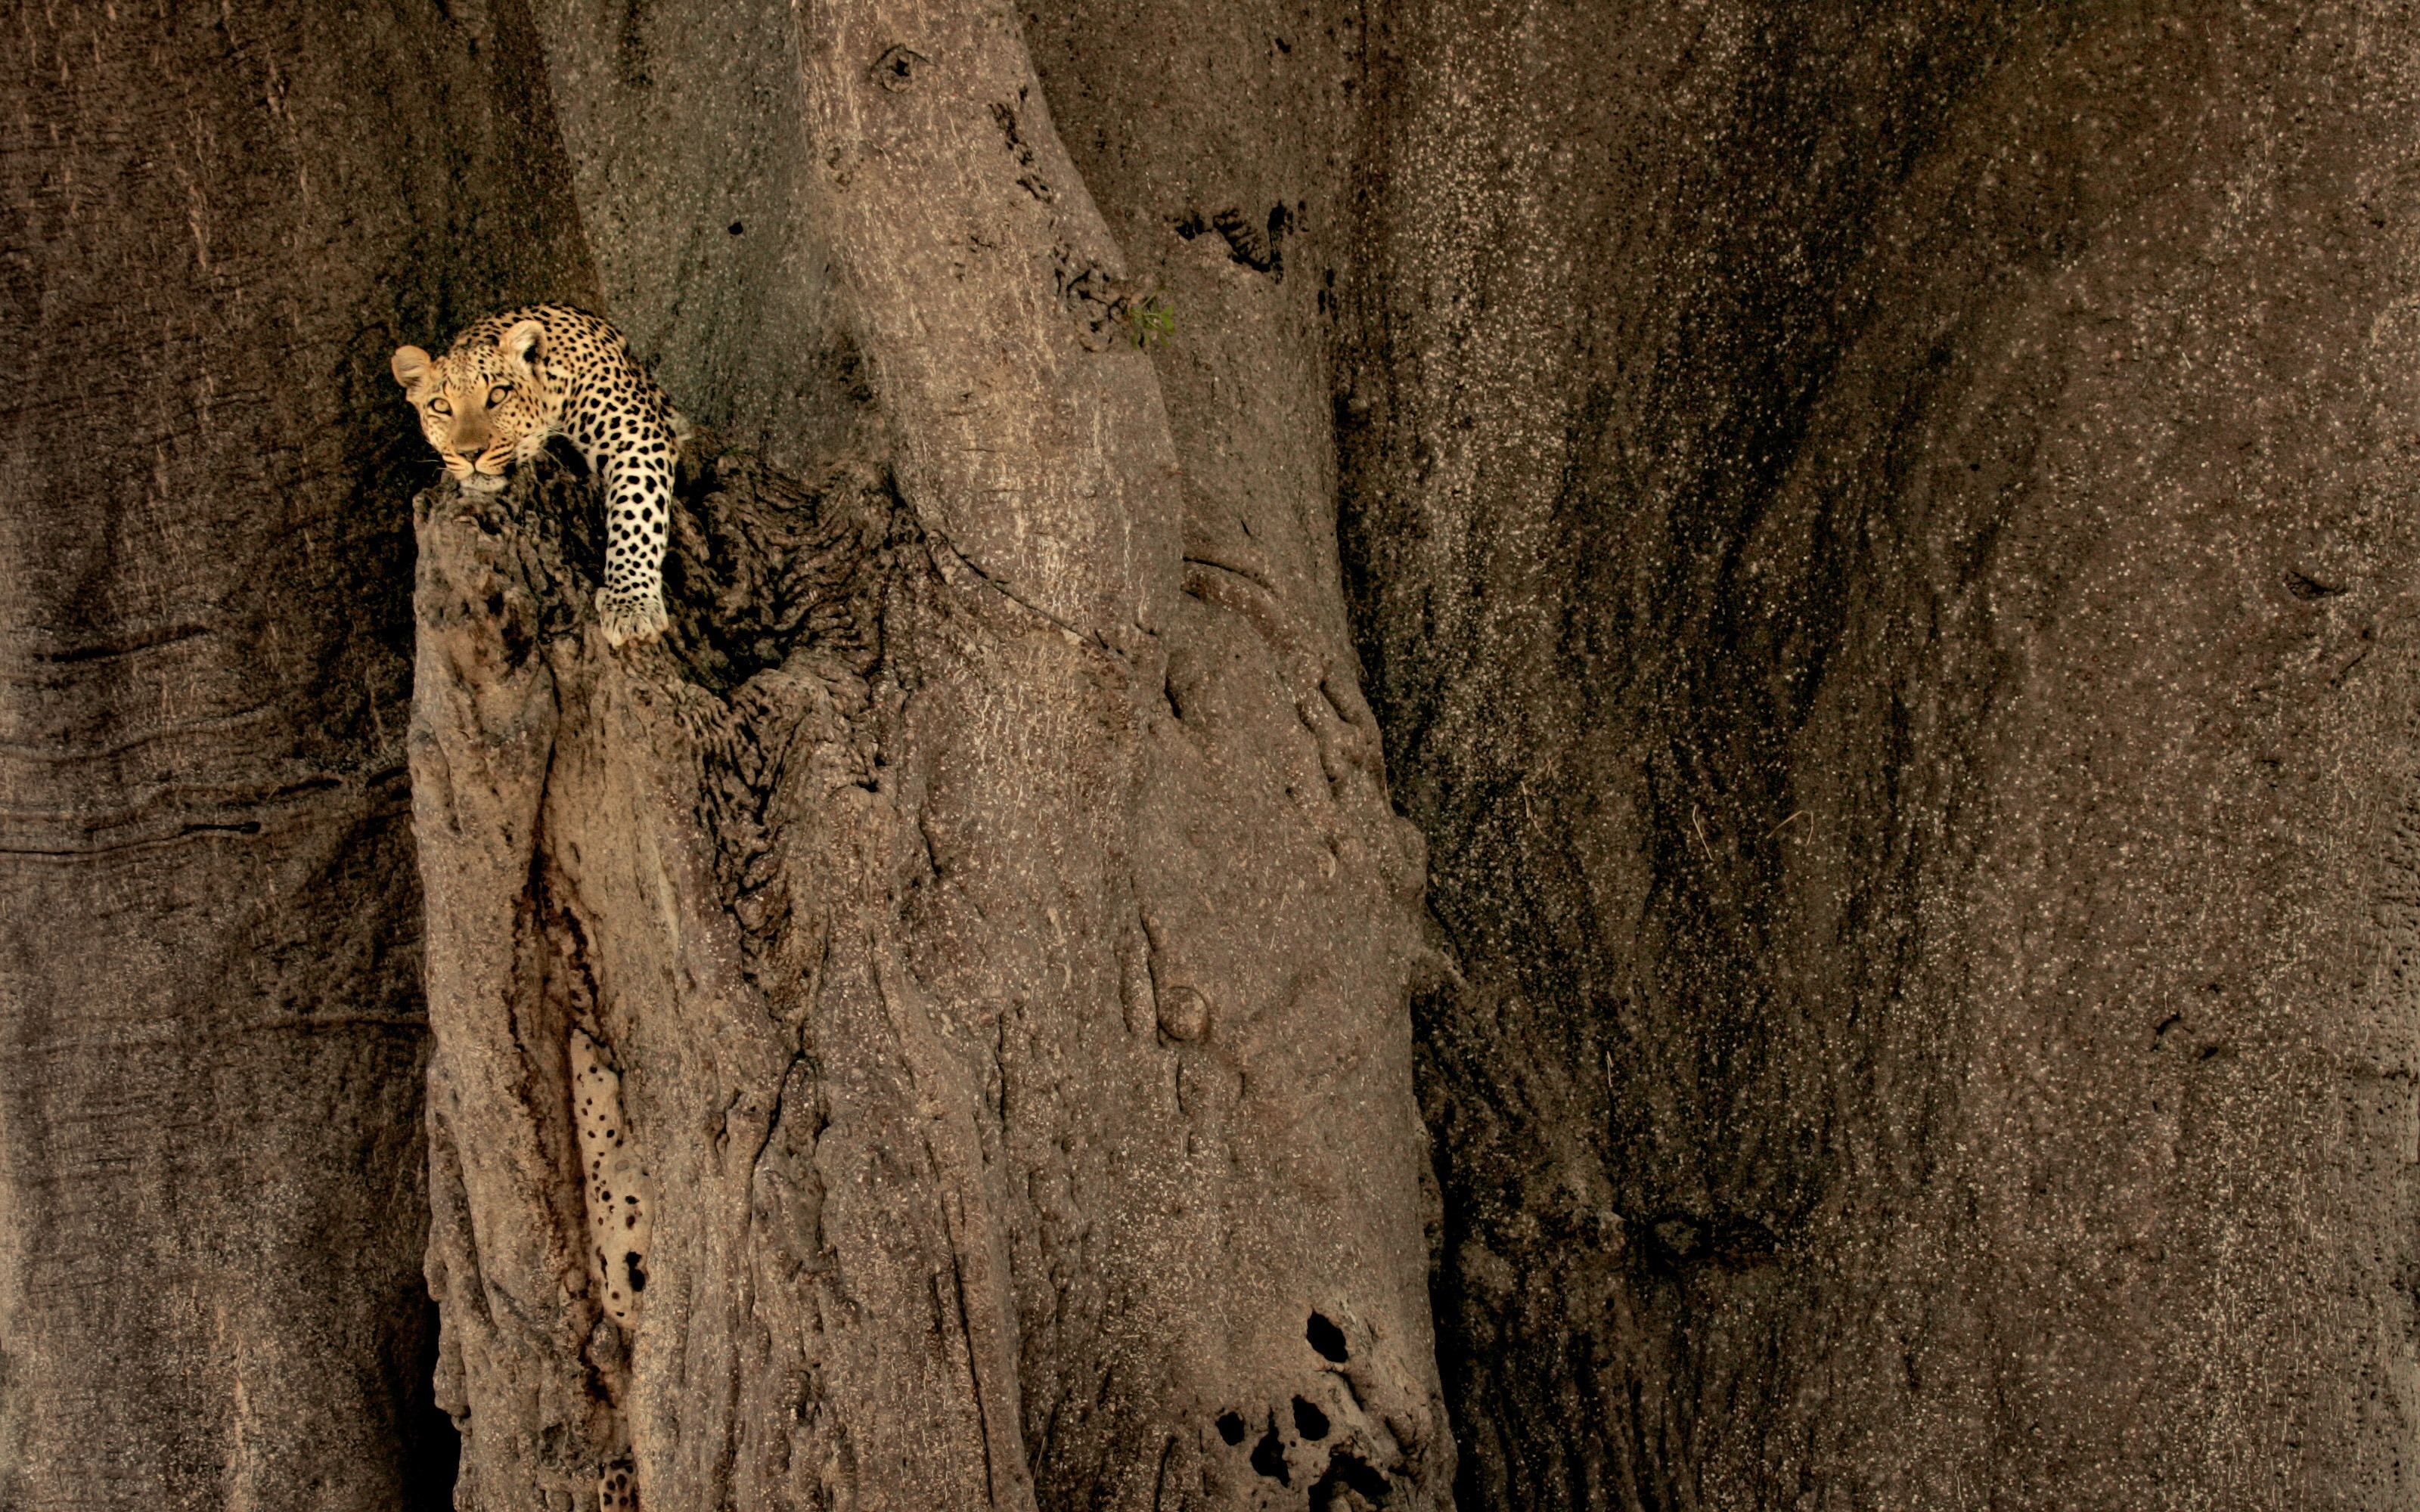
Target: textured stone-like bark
1030	1101
219	221
903	1255
1878	538
1884	555
674	857
694	185
1231	885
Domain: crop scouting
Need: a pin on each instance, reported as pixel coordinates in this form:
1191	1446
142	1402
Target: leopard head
479	403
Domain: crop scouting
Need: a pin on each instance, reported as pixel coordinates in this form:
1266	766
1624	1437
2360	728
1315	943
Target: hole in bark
1326	1337
2307	588
737	227
1262	252
1230	1427
1310	1421
631	1268
431	1448
897	68
1268	1456
1347	1472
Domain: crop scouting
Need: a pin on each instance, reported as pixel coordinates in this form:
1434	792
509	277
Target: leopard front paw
631	616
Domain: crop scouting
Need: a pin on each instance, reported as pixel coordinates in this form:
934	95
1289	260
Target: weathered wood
1876	543
943	1145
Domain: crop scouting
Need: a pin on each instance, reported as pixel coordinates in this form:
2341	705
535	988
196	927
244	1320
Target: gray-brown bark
1061	1142
1877	540
212	1039
894	1188
1887	587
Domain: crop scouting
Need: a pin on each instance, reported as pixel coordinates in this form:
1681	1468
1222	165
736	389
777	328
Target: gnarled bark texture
219	221
1878	543
1004	961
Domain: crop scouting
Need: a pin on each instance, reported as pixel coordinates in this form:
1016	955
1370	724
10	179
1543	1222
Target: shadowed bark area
693	182
212	1036
1886	579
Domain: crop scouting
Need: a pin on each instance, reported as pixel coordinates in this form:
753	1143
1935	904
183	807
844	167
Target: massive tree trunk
1884	555
1877	549
1002	967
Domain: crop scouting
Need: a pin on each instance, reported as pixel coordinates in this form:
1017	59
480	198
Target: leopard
510	382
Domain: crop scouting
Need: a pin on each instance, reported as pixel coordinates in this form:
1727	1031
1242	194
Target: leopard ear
523	345
411	366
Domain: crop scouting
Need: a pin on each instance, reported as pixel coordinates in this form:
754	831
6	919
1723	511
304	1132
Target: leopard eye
496	394
441	407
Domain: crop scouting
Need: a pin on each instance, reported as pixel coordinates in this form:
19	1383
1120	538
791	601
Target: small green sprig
1150	321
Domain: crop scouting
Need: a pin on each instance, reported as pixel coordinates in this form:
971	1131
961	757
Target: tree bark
1876	541
211	1038
1010	1014
1885	577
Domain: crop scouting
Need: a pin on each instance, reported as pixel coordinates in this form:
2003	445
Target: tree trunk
212	1036
1002	963
1885	577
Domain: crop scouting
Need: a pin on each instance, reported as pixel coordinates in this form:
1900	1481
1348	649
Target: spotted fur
513	380
614	1491
621	1197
